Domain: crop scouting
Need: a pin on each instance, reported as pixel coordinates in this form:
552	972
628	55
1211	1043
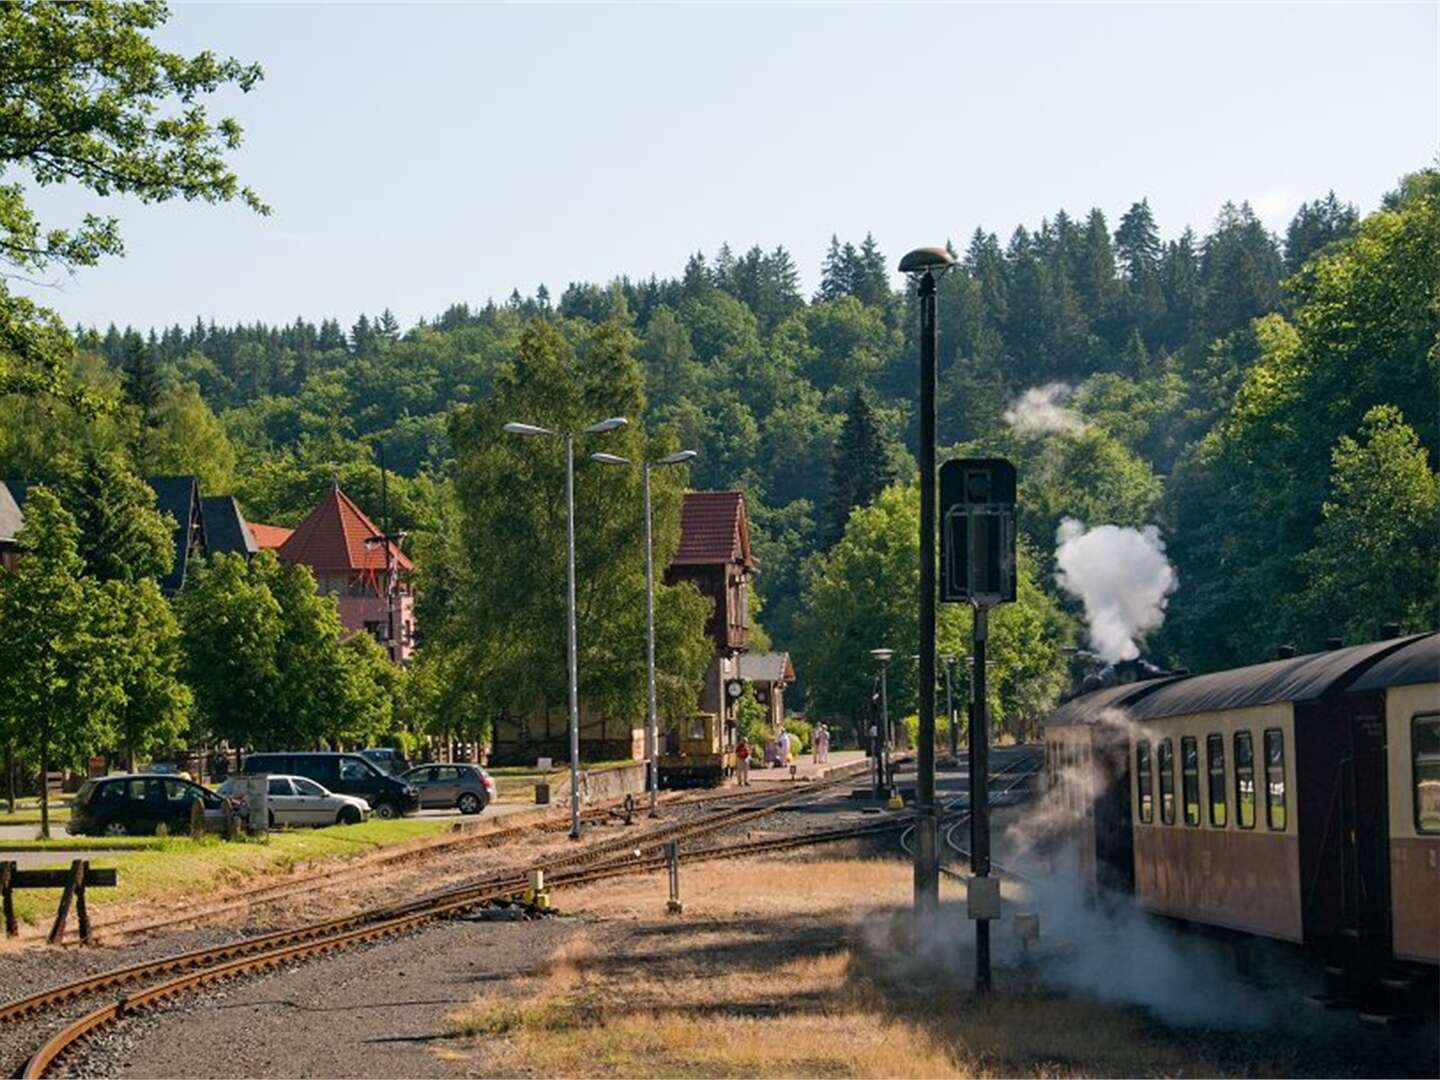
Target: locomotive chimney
1389	630
1284	652
1333	643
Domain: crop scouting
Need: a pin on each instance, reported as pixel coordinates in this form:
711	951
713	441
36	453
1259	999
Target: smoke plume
1042	410
1123	578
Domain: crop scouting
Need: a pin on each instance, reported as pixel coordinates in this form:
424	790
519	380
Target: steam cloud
1041	410
1123	578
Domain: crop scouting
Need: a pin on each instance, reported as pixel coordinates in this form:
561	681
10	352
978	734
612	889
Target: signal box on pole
977	531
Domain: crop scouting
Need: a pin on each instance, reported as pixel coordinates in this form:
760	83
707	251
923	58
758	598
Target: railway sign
977	531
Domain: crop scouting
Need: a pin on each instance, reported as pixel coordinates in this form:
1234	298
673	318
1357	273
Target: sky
420	155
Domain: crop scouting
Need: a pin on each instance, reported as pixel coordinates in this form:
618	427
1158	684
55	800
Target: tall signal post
977	550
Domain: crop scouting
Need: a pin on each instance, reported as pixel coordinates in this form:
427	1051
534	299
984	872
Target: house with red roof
714	554
354	562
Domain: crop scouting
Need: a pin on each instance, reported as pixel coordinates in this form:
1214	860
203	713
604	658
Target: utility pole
925	265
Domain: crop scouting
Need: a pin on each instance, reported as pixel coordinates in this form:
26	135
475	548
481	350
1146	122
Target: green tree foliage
511	592
156	712
269	661
91	100
1247	503
1377	550
860	467
61	636
122	537
862	594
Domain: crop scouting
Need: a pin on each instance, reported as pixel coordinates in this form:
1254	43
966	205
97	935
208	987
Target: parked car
468	788
298	800
139	803
390	760
345	774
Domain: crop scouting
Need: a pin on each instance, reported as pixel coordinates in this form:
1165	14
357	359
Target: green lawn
176	866
30	815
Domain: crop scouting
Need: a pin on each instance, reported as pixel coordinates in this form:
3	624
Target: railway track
1011	777
611	858
340	876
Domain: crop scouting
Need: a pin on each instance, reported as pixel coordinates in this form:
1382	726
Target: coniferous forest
1268	402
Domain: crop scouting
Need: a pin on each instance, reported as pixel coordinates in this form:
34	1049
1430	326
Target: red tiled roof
333	538
713	529
269	536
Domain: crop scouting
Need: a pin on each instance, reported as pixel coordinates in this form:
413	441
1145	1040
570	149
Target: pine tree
142	381
1137	243
362	337
860	467
834	272
1315	226
387	327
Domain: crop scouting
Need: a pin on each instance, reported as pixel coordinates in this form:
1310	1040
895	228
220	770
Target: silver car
298	800
468	788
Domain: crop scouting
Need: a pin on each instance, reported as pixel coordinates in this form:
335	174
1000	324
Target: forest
1267	403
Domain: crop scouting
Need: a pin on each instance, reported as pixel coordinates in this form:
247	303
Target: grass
173	868
801	967
30	815
65	842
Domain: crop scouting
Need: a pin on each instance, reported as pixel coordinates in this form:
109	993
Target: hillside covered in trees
1268	402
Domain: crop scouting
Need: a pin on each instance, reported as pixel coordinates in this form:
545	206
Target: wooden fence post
7	896
80	913
77	875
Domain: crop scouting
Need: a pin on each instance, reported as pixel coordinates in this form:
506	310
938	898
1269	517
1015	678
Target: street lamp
652	734
924	266
949	661
597	428
882	755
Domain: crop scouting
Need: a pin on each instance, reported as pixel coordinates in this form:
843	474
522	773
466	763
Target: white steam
1042	410
1123	578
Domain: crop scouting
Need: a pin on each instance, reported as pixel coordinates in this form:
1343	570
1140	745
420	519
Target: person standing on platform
742	763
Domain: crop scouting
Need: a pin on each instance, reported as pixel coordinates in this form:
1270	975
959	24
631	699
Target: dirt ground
800	965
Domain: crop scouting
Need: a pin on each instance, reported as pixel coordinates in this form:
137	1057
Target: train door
1364	808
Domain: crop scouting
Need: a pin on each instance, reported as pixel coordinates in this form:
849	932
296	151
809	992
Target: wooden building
768	674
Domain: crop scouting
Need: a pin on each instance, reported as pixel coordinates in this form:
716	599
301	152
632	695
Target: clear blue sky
419	155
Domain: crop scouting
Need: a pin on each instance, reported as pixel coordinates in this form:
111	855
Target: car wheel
469	803
349	816
385	810
116	828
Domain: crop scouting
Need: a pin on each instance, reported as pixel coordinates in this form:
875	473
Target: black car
138	804
345	774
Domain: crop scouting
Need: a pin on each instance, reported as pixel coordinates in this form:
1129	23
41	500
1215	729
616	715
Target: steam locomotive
1297	799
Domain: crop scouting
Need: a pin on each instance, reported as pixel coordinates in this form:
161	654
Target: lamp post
597	428
924	266
882	755
652	733
949	661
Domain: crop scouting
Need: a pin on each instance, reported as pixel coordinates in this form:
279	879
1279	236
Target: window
1144	782
697	727
280	786
1190	779
308	787
356	769
137	790
1215	761
1425	746
1275	779
448	773
1167	782
1244	780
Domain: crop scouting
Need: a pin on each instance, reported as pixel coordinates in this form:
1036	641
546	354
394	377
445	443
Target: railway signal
977	558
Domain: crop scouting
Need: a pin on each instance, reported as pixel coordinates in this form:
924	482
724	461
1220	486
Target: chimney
1284	652
1389	631
1333	643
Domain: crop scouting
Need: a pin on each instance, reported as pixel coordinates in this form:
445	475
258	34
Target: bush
799	733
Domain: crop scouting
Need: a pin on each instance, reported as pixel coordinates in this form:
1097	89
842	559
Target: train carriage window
1425	746
1144	781
1275	779
1244	780
1167	782
1215	760
1190	779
